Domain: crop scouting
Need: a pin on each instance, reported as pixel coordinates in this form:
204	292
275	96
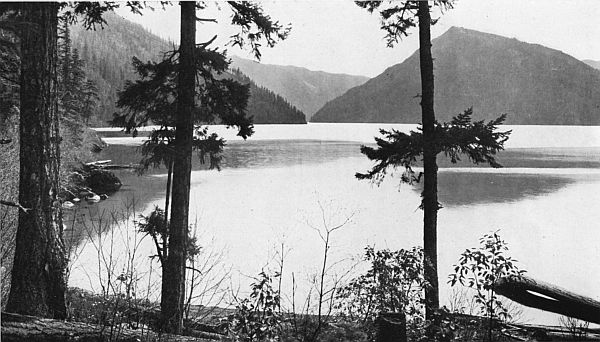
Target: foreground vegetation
388	289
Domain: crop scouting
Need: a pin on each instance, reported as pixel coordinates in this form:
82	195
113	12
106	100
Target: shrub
257	318
393	283
480	268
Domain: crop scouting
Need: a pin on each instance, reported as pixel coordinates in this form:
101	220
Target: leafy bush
257	318
480	268
393	283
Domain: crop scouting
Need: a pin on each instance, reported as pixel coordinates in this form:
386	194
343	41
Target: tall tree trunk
173	282
38	275
430	200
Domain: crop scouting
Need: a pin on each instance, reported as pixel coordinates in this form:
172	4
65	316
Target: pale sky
337	36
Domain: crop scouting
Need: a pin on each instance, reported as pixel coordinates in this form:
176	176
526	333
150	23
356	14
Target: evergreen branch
479	141
255	26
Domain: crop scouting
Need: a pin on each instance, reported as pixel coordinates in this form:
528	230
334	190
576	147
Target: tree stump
391	327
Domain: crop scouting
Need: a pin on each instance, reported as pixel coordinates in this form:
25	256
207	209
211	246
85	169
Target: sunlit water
277	185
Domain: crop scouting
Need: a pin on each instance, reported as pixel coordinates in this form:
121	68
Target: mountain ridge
494	74
107	54
306	89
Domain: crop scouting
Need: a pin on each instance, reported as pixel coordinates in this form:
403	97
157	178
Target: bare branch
207	43
212	20
16	205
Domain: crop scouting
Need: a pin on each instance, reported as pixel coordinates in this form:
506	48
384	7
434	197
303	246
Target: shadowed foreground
28	328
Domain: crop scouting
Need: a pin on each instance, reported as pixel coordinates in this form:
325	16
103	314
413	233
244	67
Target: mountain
593	64
306	89
266	106
107	54
493	74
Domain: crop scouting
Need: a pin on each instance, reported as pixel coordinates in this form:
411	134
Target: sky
339	37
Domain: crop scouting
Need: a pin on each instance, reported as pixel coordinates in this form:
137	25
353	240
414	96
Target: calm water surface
271	191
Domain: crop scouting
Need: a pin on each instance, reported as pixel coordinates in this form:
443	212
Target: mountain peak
493	74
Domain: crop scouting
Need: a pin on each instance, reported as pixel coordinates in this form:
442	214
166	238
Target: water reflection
455	188
469	188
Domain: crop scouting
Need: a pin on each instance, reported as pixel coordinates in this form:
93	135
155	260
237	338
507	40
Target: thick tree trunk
38	274
173	281
430	200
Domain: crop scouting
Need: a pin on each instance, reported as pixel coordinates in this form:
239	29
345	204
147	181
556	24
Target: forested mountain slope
494	74
268	107
107	54
306	89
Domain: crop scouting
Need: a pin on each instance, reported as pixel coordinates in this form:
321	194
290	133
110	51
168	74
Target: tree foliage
478	140
255	27
480	268
398	17
155	225
152	99
393	283
257	318
91	13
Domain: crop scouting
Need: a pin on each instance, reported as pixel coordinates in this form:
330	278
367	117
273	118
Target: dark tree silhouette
173	292
478	140
184	90
38	276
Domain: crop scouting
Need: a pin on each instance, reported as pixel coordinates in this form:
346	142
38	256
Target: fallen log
107	165
119	166
98	162
21	328
547	297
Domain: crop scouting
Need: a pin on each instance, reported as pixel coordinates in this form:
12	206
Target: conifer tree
77	95
90	99
38	281
478	140
168	95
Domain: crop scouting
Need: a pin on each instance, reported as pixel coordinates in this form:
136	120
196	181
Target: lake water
285	179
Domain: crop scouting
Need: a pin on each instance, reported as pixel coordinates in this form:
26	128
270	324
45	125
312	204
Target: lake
286	179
